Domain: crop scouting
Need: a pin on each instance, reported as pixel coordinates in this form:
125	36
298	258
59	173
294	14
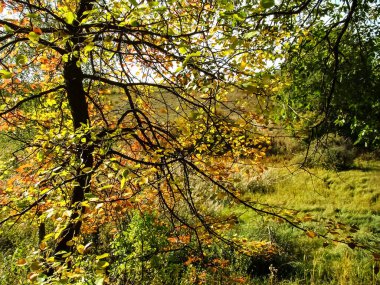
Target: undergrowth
320	196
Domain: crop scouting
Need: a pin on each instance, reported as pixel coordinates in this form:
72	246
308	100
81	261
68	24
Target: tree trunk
76	96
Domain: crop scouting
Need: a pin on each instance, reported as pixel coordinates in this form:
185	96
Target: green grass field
348	199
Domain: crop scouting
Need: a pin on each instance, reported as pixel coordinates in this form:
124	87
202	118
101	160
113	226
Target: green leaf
5	74
35	266
8	29
267	3
122	183
179	69
251	34
134	2
153	3
198	53
238	18
91	197
65	57
189	56
21	59
33	37
99	281
87	169
105	187
32	15
40	156
134	23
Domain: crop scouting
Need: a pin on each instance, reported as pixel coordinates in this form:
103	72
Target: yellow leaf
311	234
105	255
80	248
5	74
103	264
33	37
69	17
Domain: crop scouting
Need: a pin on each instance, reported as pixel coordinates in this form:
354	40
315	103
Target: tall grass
350	198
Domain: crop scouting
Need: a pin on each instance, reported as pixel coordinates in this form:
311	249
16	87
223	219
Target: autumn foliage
121	108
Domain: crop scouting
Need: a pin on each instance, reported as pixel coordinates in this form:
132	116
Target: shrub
338	157
140	255
286	145
337	153
331	153
260	186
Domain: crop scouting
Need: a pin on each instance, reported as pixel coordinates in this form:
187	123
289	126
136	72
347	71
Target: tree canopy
126	105
335	77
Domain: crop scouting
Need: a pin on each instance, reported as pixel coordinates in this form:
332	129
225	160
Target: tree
335	81
124	105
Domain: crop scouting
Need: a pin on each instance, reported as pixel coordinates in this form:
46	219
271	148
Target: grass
350	197
327	193
8	147
16	243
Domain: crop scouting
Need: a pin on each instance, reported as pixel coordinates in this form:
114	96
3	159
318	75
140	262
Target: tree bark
76	96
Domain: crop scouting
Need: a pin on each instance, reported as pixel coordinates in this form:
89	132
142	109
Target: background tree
334	75
126	105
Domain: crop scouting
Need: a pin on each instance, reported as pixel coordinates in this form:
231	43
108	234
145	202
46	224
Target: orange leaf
191	260
184	239
37	30
172	239
21	262
240	280
43	245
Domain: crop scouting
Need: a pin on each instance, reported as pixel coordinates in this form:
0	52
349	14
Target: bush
331	153
337	154
285	146
260	186
338	157
140	254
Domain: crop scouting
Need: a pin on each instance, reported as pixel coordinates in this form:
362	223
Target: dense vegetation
189	142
